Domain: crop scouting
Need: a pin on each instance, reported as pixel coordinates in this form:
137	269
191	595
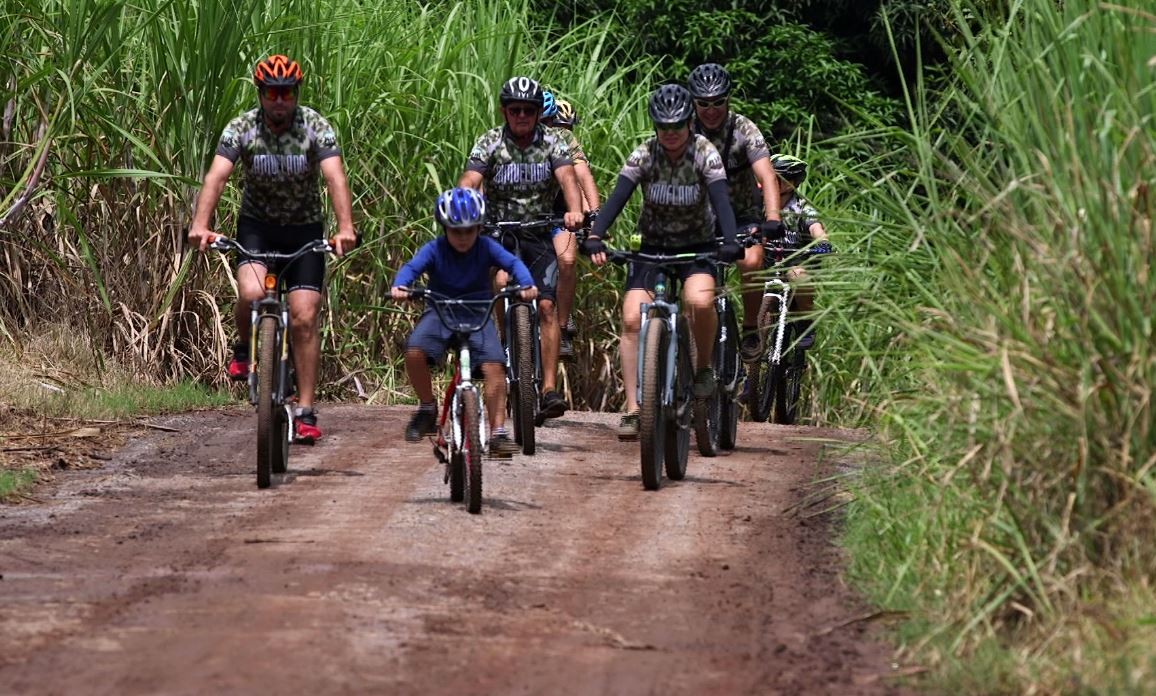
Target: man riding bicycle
747	161
522	165
684	188
282	147
559	114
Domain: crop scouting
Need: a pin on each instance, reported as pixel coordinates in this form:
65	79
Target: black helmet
521	89
709	80
790	168
670	104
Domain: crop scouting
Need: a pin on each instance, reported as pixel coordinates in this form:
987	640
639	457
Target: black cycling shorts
643	276
537	252
307	272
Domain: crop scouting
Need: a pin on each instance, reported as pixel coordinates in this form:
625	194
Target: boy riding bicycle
458	265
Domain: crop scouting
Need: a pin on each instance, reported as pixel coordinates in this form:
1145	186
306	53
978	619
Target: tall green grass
127	101
995	327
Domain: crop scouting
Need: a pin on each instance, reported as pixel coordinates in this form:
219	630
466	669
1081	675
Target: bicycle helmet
670	104
277	71
790	168
460	207
549	106
709	80
566	117
521	89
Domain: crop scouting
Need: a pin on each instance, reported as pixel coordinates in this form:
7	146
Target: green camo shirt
676	210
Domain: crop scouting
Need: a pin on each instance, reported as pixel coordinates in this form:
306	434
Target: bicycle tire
267	430
764	373
457	477
281	450
730	370
790	385
652	418
471	424
682	410
524	397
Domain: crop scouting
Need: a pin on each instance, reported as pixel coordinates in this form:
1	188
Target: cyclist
747	160
684	192
282	146
458	265
522	165
802	225
560	114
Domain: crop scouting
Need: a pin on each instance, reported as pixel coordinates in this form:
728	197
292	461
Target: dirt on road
168	571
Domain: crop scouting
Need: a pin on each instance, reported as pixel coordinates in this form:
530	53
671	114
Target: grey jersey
676	209
741	144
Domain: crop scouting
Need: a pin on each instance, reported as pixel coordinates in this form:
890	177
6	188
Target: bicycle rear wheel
270	446
523	397
471	424
652	418
790	385
682	410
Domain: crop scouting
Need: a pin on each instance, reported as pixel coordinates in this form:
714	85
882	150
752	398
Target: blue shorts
431	337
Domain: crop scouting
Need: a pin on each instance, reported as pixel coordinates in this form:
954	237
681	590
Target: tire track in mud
169	572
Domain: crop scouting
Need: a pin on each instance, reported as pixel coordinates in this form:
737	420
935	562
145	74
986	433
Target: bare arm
765	173
207	200
818	232
338	185
471	179
586	183
569	182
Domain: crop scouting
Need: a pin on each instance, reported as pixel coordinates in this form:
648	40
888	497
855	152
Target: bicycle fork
783	296
669	311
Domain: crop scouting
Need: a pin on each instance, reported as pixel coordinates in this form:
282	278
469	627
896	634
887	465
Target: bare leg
304	312
752	291
250	288
495	374
628	345
566	246
549	330
698	294
417	367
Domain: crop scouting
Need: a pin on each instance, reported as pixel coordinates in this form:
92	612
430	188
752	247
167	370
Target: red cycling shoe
306	431
239	369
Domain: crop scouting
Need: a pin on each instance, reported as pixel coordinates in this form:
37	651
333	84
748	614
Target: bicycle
775	380
723	407
666	359
271	377
462	428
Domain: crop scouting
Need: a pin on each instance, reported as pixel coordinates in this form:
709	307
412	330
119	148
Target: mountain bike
723	408
462	428
666	359
272	382
775	380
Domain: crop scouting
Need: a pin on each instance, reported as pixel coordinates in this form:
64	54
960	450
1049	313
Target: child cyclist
684	191
801	226
458	265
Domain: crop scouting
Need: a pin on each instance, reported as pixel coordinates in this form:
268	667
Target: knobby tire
729	368
652	417
682	410
471	424
268	430
764	373
524	397
791	382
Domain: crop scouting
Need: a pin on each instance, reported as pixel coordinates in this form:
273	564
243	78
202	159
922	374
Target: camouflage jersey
741	144
282	185
798	216
676	210
520	183
578	155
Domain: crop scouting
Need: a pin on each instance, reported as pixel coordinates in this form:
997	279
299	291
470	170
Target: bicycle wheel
281	450
764	373
652	418
471	424
681	411
523	398
730	371
268	431
457	477
791	381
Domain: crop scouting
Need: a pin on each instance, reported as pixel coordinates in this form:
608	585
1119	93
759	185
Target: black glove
772	229
592	246
730	252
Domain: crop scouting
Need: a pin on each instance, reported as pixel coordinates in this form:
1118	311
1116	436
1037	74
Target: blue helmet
549	106
460	207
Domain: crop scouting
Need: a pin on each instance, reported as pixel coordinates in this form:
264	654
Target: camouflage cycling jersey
741	144
282	185
798	216
676	209
520	184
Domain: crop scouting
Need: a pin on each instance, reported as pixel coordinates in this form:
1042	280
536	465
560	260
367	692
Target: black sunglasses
522	110
670	126
710	103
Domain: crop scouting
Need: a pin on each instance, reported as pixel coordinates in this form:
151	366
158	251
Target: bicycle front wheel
765	373
270	446
681	410
790	385
652	416
730	371
471	424
523	398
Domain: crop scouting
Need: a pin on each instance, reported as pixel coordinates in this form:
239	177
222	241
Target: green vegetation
14	483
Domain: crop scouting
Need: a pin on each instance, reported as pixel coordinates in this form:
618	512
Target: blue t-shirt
464	276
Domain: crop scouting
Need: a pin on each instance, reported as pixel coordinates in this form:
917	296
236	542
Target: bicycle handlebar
225	244
442	303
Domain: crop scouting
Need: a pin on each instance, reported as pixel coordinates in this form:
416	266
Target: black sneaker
553	405
502	446
423	423
566	348
804	327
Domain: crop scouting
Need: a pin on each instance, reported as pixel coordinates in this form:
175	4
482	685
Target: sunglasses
711	103
282	93
670	126
522	110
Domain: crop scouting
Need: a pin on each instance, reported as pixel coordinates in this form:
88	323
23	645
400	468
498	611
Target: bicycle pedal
442	459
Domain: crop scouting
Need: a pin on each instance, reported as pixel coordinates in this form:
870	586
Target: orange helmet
277	71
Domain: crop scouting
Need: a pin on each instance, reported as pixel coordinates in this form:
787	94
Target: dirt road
167	571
